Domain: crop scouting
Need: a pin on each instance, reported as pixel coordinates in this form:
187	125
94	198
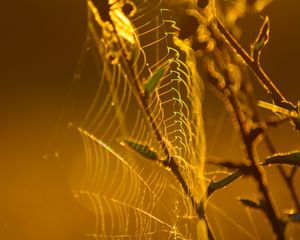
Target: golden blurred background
40	46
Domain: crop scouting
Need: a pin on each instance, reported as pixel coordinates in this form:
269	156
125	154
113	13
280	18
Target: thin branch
259	174
265	81
273	91
228	96
170	162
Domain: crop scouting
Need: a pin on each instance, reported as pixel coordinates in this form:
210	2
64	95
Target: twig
259	174
265	81
262	77
170	161
270	88
228	96
139	93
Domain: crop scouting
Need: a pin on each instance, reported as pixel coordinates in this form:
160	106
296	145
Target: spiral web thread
132	197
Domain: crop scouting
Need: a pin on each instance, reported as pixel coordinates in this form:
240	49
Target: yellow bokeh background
40	46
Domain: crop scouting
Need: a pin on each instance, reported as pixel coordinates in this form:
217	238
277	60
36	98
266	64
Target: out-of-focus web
132	197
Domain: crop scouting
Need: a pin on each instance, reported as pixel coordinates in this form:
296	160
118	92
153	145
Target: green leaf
228	164
249	203
261	39
291	158
154	80
294	217
253	204
213	186
143	150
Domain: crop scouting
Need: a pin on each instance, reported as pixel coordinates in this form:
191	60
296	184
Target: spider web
132	197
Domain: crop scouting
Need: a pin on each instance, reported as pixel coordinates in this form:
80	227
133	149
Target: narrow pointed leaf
228	164
154	81
296	121
213	186
249	203
291	158
253	204
294	217
261	40
143	150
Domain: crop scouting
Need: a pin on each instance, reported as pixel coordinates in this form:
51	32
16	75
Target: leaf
253	204
296	121
261	39
292	158
294	216
213	186
249	203
141	149
154	80
288	110
228	164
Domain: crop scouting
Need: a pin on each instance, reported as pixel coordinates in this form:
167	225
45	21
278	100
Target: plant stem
142	100
288	178
265	81
170	161
258	173
280	100
228	96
